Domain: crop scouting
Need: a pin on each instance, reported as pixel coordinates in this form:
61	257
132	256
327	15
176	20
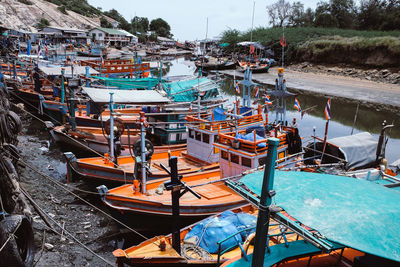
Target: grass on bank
314	38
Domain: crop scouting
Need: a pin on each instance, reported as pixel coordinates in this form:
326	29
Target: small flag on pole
252	49
283	40
297	105
328	110
237	87
268	100
257	92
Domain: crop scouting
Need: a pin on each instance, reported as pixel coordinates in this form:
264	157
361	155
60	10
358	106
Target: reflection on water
342	113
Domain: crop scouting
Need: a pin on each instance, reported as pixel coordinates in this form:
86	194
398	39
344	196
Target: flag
328	110
297	105
257	91
268	100
237	87
252	49
283	40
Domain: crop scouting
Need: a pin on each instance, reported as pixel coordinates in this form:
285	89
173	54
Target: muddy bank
369	93
389	75
88	225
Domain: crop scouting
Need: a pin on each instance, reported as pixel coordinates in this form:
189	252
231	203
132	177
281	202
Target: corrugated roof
111	31
100	95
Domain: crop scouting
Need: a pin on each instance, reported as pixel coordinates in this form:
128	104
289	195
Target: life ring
19	250
248	241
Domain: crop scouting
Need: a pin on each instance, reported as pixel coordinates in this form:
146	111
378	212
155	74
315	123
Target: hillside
15	14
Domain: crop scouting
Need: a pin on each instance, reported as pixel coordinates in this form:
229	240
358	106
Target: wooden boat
216	65
117	67
203	129
324	235
255	67
103	170
156	203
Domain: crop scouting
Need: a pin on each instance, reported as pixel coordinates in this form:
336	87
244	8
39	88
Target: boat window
198	135
191	133
206	138
246	162
224	154
234	158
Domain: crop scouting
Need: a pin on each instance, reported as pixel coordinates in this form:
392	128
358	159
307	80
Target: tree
297	15
279	13
344	12
140	24
323	16
105	23
160	27
123	24
371	14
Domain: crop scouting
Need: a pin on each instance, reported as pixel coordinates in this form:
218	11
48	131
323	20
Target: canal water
342	113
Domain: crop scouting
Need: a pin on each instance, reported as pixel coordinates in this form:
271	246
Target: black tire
14	122
137	148
8	174
19	250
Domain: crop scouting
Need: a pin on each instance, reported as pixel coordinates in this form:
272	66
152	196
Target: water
342	114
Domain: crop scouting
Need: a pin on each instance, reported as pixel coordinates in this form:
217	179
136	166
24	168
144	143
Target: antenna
207	29
252	22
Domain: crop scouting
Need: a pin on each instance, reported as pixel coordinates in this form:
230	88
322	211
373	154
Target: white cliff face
19	16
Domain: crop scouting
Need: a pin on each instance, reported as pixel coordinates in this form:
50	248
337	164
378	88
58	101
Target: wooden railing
252	146
206	121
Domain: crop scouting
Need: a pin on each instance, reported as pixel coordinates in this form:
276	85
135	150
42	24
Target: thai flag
257	91
237	87
268	100
328	110
297	105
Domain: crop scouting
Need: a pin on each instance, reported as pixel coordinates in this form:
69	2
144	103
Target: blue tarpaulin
355	213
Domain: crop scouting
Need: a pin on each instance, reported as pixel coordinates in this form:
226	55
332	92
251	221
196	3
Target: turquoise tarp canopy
355	213
123	83
186	90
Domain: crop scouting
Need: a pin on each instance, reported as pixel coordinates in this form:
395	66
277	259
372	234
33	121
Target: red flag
252	49
283	40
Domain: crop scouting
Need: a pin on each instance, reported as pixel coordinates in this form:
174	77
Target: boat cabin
203	131
247	148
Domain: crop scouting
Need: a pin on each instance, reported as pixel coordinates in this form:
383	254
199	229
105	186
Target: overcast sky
188	18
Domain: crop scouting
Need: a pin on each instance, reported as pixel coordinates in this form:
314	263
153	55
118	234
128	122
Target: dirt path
384	95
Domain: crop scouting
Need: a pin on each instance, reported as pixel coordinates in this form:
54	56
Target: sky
188	18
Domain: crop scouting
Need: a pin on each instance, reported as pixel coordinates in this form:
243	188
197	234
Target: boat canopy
56	70
255	44
123	83
100	95
186	90
357	150
355	213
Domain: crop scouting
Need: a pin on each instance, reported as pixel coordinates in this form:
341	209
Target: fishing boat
303	202
256	67
117	67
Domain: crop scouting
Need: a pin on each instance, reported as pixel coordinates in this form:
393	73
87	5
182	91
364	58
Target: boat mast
265	203
111	127
142	148
252	23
